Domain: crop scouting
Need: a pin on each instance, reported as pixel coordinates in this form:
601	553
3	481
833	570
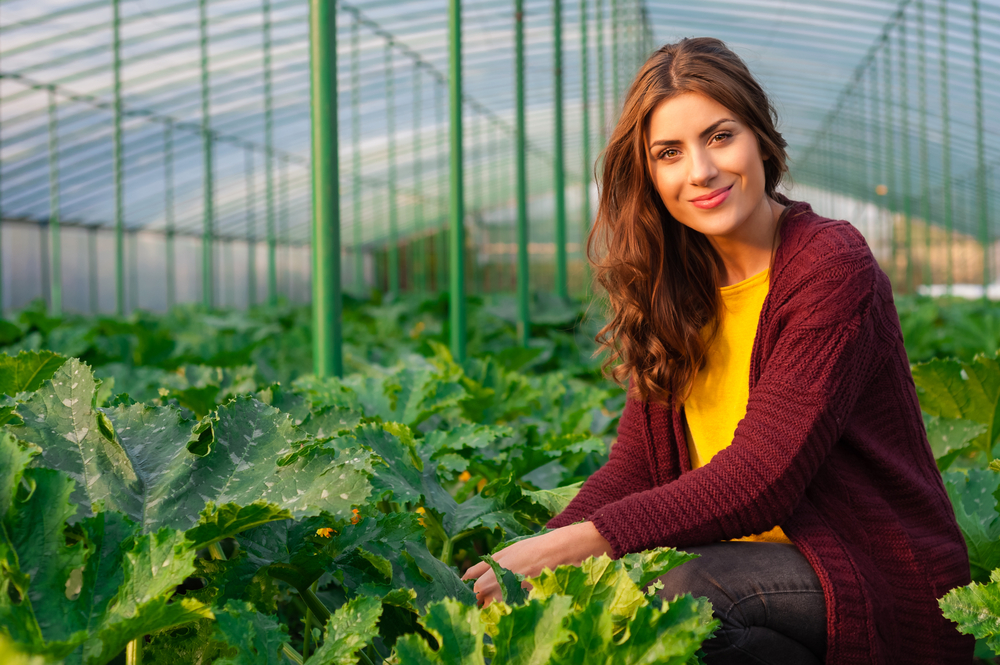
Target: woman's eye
669	152
724	135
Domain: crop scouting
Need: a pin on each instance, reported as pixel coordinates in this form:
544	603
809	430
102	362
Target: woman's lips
715	199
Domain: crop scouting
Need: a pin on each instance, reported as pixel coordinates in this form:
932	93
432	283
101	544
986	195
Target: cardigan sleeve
627	469
829	347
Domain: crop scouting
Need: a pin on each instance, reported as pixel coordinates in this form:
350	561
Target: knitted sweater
832	449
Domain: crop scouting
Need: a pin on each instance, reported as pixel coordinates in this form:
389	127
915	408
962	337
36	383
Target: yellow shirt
718	399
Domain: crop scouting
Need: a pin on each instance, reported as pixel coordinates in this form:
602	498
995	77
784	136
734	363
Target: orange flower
464	476
354	520
480	485
325	532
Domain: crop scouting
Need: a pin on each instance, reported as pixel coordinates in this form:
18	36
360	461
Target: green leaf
86	601
950	437
14	457
554	500
135	459
510	583
26	371
458	633
972	497
970	391
529	634
349	628
976	609
193	642
407	394
644	567
256	637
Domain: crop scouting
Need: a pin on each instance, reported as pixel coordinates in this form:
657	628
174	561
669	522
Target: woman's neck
747	251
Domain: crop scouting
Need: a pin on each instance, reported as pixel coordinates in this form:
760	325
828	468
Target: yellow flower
417	329
354	520
480	485
465	475
325	532
420	511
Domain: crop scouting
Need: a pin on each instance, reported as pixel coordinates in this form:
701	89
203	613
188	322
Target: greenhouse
249	246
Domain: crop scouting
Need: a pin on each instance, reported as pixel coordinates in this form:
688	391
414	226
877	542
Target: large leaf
349	628
84	602
972	497
951	437
257	638
976	609
136	459
409	393
529	634
971	391
26	371
458	633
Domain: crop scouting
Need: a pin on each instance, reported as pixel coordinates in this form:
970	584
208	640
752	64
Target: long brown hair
662	278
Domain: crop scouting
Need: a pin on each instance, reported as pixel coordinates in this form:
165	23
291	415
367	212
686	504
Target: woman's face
705	164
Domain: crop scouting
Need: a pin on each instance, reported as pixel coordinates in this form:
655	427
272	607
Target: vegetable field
180	488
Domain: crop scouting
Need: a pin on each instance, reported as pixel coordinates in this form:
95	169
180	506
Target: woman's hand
566	545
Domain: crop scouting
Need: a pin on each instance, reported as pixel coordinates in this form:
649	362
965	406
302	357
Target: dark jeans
767	597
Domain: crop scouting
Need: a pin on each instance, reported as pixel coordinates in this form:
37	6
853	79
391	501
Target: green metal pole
119	173
168	193
390	121
133	269
420	264
272	243
946	136
925	184
615	63
359	275
981	193
92	269
283	223
585	96
456	207
602	107
251	227
441	251
523	316
562	289
208	221
55	281
904	96
326	306
890	162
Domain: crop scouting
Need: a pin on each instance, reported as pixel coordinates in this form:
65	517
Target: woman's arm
626	471
832	343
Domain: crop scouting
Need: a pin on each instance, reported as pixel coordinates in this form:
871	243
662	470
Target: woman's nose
702	169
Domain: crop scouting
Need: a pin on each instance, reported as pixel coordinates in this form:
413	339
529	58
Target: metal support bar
55	281
441	251
562	290
456	201
420	257
925	178
523	317
390	122
602	107
93	298
904	103
945	134
119	175
208	221
615	63
326	305
359	275
981	193
251	207
272	258
168	193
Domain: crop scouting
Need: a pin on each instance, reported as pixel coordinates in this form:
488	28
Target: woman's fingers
476	570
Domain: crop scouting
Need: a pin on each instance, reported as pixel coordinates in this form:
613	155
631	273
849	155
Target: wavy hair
662	278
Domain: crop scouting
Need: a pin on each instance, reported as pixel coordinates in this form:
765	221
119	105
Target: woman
772	425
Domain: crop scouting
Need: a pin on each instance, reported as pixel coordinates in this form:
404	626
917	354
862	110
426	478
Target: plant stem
365	658
133	651
292	654
307	637
215	549
315	604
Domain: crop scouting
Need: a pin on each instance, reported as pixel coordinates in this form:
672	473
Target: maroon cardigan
832	449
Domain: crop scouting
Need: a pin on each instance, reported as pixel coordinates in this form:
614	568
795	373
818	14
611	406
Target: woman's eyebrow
708	130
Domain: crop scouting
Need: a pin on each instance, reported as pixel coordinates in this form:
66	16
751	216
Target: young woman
772	425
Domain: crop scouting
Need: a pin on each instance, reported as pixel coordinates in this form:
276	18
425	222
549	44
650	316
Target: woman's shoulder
812	242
